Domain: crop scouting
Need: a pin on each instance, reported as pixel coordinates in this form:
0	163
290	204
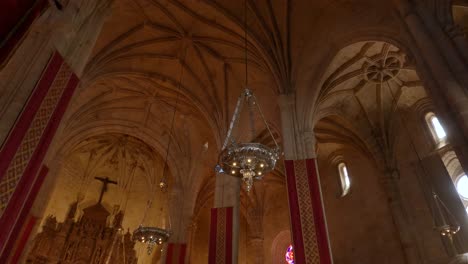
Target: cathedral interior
222	131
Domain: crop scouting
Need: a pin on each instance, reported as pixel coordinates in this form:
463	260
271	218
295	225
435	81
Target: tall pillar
34	98
225	217
180	219
389	182
72	31
309	228
457	35
176	253
255	245
444	73
26	147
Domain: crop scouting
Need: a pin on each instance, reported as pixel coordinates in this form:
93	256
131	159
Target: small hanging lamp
444	221
150	235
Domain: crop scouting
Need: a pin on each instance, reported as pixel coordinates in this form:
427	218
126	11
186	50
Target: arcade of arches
101	101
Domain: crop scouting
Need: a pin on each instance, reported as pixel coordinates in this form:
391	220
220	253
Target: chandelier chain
265	122
163	180
235	118
245	43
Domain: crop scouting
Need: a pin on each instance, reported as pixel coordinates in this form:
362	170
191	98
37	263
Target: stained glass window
289	255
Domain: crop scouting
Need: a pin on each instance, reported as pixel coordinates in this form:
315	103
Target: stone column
455	32
192	231
407	237
309	228
72	31
176	253
227	194
36	86
443	73
255	245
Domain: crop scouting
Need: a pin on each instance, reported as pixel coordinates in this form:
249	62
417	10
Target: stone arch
307	97
278	248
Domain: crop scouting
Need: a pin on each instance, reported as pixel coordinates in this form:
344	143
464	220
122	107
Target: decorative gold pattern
33	135
309	235
221	235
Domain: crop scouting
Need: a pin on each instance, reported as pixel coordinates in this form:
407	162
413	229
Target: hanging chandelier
247	160
444	221
151	236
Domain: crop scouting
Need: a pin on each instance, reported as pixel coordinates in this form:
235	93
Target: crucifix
105	182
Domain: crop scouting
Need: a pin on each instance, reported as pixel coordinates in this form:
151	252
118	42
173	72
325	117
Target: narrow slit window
438	129
344	179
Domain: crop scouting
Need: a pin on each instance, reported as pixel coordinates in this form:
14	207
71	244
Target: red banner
220	249
176	253
16	16
22	153
23	239
309	230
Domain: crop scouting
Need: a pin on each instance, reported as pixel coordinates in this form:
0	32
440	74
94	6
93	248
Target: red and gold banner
16	16
24	150
309	230
176	253
220	249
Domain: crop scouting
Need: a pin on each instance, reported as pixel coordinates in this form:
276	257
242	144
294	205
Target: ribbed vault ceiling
131	83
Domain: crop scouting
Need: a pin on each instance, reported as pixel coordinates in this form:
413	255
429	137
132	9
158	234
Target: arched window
437	130
344	179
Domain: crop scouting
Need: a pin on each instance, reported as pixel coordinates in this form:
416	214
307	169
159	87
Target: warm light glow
438	129
462	186
249	160
261	165
162	184
234	164
259	173
233	172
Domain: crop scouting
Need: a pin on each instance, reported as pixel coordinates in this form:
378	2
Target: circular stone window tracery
382	69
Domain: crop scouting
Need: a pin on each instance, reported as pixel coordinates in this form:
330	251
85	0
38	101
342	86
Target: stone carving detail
383	69
88	240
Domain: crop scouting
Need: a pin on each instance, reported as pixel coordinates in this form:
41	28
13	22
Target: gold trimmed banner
24	150
220	249
309	231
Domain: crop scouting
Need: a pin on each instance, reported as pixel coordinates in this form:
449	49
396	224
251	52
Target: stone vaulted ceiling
131	83
366	85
